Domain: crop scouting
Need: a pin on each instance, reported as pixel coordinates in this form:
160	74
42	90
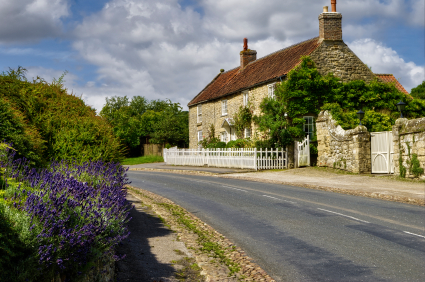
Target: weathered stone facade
336	57
211	113
344	149
408	139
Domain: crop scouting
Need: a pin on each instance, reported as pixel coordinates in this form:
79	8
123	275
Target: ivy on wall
307	92
242	119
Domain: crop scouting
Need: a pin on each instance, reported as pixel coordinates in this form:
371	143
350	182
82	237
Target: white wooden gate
304	152
382	152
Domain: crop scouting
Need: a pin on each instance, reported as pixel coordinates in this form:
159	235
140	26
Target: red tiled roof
391	78
259	71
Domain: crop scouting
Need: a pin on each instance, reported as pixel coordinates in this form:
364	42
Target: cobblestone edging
211	268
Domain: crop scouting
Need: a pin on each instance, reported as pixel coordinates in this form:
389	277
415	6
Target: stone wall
336	57
211	113
344	149
408	135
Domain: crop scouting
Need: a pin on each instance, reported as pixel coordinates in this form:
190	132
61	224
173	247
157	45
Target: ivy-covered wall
409	147
343	149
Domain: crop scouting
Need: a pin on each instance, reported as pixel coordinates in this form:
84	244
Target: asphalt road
299	234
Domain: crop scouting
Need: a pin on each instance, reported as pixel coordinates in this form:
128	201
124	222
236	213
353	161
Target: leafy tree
161	120
419	91
172	127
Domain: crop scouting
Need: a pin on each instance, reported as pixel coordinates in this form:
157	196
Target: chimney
247	55
333	4
330	24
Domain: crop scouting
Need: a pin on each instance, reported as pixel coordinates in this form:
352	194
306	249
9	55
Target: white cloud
383	59
159	50
29	20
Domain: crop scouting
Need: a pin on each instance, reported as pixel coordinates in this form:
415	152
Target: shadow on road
140	264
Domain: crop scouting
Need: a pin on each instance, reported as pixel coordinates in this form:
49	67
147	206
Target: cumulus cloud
160	50
30	20
383	59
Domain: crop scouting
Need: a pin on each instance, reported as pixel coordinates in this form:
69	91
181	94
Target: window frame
199	113
245	95
306	126
247	132
224	107
271	90
200	135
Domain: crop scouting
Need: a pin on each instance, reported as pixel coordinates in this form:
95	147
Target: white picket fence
229	158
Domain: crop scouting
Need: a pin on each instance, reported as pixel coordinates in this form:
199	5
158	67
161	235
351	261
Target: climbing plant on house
307	92
242	119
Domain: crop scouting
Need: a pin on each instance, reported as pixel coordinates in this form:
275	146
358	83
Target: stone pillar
343	149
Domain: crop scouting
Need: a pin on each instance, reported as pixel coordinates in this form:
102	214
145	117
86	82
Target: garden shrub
45	122
67	216
416	166
240	143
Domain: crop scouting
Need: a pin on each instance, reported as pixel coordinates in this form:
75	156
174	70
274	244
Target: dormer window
272	88
224	107
199	113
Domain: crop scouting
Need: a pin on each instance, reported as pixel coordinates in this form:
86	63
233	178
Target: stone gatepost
343	149
408	139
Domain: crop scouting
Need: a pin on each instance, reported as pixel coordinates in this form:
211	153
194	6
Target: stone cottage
255	79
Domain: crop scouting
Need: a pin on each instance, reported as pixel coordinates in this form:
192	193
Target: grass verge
208	243
143	160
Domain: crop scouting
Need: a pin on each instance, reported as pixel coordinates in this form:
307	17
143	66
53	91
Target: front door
382	152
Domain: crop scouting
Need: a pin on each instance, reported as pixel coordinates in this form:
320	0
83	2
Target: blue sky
172	49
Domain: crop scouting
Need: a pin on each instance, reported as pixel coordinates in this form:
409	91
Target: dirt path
382	187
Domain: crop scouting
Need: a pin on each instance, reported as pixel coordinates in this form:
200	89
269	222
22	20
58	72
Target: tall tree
419	91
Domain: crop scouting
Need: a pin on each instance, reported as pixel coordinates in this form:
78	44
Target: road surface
299	234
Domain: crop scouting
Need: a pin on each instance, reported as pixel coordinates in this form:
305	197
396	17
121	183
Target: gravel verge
218	258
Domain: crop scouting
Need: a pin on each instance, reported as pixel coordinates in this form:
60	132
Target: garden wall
408	139
344	149
152	150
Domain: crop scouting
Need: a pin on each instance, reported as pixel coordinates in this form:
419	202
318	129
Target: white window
224	136
199	113
309	126
199	135
245	98
271	90
224	107
247	133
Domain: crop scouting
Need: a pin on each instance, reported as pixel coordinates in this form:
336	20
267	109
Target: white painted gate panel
382	152
304	152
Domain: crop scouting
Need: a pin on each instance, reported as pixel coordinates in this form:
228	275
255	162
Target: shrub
240	143
45	122
416	167
67	215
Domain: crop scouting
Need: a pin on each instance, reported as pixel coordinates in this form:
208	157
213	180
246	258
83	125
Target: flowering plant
77	212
